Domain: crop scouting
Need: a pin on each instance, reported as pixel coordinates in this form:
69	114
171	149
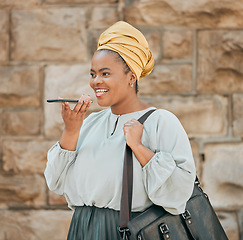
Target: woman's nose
98	79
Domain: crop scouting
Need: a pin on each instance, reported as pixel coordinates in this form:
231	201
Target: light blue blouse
92	175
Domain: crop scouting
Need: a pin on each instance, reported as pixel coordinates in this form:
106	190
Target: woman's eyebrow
100	70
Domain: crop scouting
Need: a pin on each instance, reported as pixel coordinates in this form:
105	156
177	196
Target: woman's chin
103	104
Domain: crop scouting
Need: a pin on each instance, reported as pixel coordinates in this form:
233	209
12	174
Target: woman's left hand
133	131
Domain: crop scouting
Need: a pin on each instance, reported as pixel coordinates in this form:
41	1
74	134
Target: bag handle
127	183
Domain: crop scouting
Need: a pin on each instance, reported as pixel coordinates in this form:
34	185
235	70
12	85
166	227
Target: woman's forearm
69	140
143	154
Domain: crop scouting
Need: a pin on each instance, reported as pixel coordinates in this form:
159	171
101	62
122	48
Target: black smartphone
62	100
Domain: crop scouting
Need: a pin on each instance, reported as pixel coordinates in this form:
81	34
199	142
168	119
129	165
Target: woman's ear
133	78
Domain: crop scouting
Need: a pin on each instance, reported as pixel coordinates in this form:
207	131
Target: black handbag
198	222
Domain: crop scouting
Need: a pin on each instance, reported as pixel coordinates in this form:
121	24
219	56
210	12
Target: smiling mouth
100	92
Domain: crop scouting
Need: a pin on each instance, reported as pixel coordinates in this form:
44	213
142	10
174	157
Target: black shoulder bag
198	222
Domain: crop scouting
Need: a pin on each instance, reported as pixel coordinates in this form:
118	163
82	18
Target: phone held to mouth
62	100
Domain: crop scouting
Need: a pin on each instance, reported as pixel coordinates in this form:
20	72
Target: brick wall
45	52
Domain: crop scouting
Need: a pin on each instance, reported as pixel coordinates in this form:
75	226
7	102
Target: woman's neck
128	107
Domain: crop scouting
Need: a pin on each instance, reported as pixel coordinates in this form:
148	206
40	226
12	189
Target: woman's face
108	79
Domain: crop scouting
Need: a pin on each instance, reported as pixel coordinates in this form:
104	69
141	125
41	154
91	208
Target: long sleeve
56	168
169	176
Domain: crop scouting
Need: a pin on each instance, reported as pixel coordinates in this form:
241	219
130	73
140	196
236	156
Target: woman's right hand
73	120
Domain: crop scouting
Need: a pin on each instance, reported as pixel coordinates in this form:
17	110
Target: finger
87	100
66	106
85	104
130	123
65	109
63	106
79	104
126	127
135	121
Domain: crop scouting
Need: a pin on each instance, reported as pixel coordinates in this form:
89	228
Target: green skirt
92	223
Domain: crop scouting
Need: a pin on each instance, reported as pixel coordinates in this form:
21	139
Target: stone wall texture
45	52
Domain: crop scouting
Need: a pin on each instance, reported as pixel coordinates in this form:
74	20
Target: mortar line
194	62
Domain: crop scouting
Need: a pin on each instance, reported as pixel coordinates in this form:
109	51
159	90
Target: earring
131	85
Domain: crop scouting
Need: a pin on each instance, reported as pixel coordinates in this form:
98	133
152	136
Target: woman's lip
99	92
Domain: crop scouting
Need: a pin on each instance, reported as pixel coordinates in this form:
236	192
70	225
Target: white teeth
101	90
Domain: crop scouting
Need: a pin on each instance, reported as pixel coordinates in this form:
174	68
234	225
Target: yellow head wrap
131	45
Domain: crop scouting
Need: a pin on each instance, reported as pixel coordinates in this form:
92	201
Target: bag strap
143	118
127	183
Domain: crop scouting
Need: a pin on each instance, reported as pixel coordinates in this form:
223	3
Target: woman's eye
92	75
106	74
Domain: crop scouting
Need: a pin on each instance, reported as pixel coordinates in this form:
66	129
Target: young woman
86	165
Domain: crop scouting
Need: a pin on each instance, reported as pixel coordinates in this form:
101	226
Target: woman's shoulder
164	114
164	122
163	117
